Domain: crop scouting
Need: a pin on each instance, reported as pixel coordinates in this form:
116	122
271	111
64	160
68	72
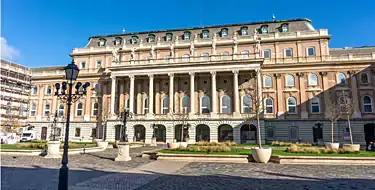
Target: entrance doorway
117	132
248	133
225	133
160	133
317	132
44	133
202	133
139	133
369	133
179	133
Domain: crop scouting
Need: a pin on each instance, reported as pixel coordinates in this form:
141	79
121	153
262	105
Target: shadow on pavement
43	178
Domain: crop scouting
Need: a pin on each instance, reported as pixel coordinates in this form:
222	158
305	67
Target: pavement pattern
98	171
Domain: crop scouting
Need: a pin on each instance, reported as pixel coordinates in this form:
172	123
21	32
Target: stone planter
173	145
53	149
123	152
102	144
352	147
262	155
153	142
332	146
183	144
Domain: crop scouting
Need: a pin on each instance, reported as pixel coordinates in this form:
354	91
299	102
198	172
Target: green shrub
295	149
205	143
281	143
32	145
207	149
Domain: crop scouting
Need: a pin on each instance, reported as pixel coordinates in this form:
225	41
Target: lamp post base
53	149
153	142
123	152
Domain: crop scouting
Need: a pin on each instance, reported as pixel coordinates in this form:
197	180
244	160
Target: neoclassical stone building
207	78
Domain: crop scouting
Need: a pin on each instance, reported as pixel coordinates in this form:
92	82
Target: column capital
150	75
131	76
277	75
323	73
171	74
213	72
351	73
235	72
113	77
191	73
301	74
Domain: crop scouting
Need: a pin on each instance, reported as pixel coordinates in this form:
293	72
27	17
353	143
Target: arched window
225	104
118	41
102	42
151	38
367	104
97	88
145	106
267	81
165	105
185	57
169	37
285	27
33	110
205	34
364	78
315	105
185	104
225	53
268	102
205	54
127	104
341	79
289	80
224	32
61	110
83	65
79	109
35	90
245	52
134	40
186	35
313	80
264	29
95	108
247	104
49	90
47	108
205	104
291	105
244	31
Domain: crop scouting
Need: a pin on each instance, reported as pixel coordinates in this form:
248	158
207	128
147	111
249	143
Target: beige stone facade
207	77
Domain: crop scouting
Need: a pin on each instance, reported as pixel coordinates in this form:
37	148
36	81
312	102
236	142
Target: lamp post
71	74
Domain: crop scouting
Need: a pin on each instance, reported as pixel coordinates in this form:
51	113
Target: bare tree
347	109
333	111
182	118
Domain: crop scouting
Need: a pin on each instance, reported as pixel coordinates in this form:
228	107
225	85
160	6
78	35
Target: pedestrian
370	146
373	147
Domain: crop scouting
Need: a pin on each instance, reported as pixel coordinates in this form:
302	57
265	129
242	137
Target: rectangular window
315	108
310	51
77	132
98	63
266	54
83	65
289	52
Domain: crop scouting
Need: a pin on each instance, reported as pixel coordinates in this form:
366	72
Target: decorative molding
235	72
213	73
192	73
323	73
301	74
151	76
351	73
277	75
171	74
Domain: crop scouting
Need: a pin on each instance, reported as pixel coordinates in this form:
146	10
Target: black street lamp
124	116
71	74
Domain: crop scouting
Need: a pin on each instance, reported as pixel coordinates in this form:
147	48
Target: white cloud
7	51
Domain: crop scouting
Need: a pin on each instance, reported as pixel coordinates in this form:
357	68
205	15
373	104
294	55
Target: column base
123	152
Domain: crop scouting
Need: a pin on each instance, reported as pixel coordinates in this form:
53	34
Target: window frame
165	98
244	31
205	54
79	132
134	39
222	106
367	76
245	52
222	32
83	64
308	52
264	81
45	110
95	110
269	53
35	90
102	42
205	34
33	110
286	80
77	109
310	81
208	107
167	35
48	90
285	52
224	53
98	64
182	104
288	106
59	110
341	82
151	36
243	106
118	41
312	104
187	35
283	26
367	104
145	106
290	132
271	106
264	29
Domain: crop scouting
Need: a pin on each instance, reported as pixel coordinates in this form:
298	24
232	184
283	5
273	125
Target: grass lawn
14	147
270	145
235	151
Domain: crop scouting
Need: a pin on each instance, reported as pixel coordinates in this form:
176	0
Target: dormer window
118	41
169	37
151	38
186	35
205	34
224	32
134	40
244	31
102	42
285	27
264	29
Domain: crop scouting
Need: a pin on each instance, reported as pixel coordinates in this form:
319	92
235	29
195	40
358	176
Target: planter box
204	158
332	146
173	145
352	147
323	160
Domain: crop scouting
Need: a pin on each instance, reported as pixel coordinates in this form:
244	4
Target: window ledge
269	91
291	90
313	90
366	88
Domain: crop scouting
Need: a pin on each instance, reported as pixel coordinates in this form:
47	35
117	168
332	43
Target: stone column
113	95
171	92
303	101
354	91
151	95
214	92
260	93
131	94
280	102
325	94
122	96
236	98
192	98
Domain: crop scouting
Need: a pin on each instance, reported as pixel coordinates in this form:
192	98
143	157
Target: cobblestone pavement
99	171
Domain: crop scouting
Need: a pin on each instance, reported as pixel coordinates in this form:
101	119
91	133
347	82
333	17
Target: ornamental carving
277	75
323	73
301	74
351	73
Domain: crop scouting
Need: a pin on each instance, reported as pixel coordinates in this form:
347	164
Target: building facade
212	80
14	97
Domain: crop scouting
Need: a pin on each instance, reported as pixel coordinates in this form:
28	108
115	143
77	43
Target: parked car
28	135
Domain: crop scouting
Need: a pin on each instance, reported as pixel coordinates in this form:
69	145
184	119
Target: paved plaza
99	171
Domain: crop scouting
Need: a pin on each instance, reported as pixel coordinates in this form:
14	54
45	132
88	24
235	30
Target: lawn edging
42	152
323	160
204	157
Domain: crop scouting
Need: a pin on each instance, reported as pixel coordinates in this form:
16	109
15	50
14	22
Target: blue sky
39	33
